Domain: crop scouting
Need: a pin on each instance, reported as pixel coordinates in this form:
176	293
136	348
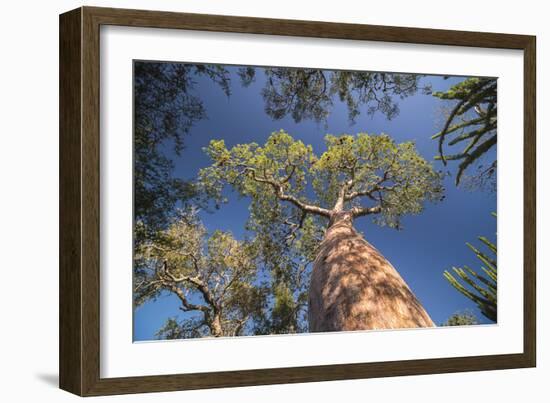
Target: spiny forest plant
352	285
480	288
471	122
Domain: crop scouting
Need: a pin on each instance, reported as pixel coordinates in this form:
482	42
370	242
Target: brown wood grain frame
79	347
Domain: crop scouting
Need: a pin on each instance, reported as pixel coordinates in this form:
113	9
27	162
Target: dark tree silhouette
165	109
310	93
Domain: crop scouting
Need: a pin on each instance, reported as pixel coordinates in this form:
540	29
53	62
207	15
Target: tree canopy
286	247
310	93
363	175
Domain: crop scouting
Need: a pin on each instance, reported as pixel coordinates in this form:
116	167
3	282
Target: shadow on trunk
353	287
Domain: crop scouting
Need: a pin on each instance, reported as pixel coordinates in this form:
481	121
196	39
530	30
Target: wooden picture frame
79	201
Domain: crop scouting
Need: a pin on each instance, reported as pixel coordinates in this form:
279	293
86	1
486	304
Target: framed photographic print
249	201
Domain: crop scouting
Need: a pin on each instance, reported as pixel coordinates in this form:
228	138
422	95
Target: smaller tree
463	318
213	277
480	288
472	121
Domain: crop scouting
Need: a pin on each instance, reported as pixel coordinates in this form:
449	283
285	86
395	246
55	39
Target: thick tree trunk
353	287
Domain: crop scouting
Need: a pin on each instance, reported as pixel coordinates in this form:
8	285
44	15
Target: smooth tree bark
353	287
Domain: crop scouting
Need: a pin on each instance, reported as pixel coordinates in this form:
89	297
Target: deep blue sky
428	244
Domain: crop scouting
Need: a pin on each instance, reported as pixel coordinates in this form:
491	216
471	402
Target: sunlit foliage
365	174
213	276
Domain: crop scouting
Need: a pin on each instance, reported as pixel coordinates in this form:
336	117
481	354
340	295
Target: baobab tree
352	285
213	278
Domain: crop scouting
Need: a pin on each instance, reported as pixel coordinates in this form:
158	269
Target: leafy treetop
359	175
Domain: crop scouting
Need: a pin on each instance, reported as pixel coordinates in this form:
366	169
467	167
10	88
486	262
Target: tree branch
339	205
240	325
446	127
363	211
304	206
186	305
198	283
294	227
376	188
281	195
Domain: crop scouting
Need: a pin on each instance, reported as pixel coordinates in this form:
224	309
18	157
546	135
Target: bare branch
294	227
289	176
186	305
304	206
240	325
363	211
369	193
198	283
